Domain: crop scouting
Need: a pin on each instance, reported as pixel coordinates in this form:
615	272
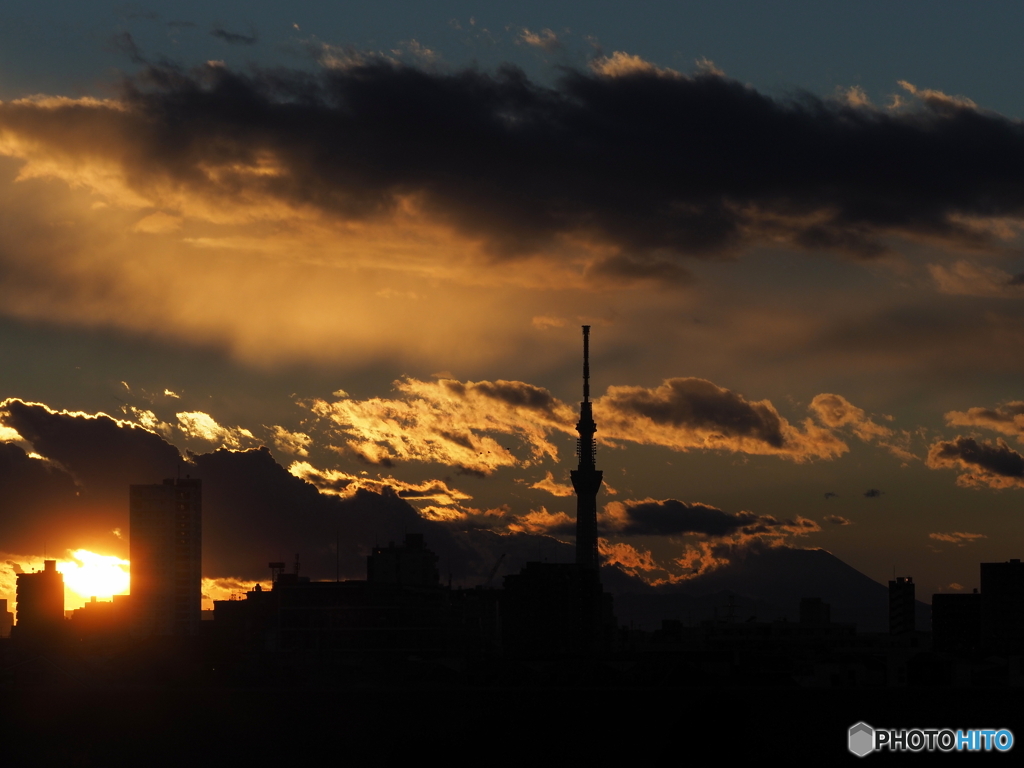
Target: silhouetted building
400	609
6	619
814	611
956	623
556	608
102	619
410	564
586	478
1002	607
40	602
901	605
166	557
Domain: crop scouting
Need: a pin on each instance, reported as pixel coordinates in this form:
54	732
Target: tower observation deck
586	478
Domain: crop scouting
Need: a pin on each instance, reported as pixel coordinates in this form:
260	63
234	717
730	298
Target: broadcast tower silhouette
586	479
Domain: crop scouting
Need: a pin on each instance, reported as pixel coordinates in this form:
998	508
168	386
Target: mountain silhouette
766	584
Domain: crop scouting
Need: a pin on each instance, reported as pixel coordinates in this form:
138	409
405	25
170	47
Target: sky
334	262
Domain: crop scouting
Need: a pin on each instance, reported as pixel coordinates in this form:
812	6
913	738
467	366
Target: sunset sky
338	258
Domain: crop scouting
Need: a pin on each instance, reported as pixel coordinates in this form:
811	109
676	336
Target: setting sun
88	574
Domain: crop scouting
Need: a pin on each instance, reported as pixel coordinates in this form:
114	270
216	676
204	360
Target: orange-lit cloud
204	427
966	279
1007	419
959	538
450	422
551	486
343	484
989	464
836	412
542	521
297	443
631	559
240	210
688	413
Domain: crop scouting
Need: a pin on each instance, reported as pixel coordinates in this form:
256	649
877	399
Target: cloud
551	486
610	165
831	494
297	443
545	39
234	38
630	559
994	465
542	521
345	485
958	538
872	493
546	322
966	279
1007	419
204	427
102	453
622	64
254	510
670	517
837	520
687	413
836	412
450	422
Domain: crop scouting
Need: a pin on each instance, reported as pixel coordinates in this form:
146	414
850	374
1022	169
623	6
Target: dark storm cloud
32	491
123	42
699	404
234	38
103	454
872	493
995	465
517	394
670	517
647	163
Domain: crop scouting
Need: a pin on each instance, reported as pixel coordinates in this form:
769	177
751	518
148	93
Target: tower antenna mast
586	478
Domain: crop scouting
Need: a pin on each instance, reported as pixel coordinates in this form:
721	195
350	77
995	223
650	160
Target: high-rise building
1002	607
40	601
166	557
902	605
6	619
586	478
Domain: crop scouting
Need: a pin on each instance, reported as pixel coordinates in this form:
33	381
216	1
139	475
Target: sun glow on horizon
88	574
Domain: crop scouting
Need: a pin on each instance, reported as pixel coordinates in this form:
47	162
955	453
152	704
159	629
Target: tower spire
586	478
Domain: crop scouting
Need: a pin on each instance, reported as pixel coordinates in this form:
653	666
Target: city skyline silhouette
328	263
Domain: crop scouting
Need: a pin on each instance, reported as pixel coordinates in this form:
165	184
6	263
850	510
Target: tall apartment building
166	557
902	606
40	600
1002	607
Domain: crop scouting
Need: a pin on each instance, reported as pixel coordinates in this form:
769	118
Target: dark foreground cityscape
400	664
